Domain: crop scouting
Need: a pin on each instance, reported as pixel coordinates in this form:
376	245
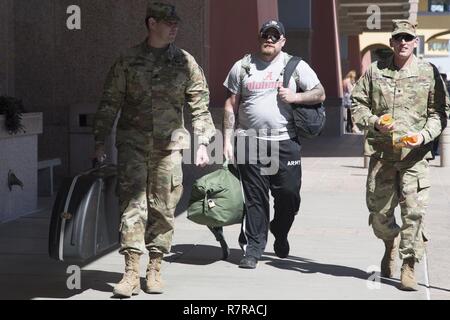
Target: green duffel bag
216	199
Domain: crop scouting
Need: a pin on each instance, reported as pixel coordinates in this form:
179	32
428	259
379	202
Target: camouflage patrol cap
162	11
403	26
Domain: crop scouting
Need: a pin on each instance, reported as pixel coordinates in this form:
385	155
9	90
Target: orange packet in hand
410	139
386	119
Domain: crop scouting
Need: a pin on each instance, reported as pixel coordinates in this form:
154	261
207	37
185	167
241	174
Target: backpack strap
296	77
291	71
245	69
245	72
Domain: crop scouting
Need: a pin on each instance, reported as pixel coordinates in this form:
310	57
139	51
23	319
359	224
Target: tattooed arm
229	122
313	96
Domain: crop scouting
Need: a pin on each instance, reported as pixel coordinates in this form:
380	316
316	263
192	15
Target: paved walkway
332	247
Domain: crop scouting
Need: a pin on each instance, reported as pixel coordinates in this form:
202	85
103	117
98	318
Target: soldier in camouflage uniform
149	85
412	92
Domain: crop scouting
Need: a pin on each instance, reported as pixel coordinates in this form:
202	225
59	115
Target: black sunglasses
406	37
273	37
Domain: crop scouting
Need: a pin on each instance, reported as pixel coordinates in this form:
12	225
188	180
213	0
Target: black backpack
309	119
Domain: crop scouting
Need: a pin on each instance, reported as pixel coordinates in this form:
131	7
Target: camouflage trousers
149	189
390	184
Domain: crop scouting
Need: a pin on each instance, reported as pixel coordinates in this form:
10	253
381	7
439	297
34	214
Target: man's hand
100	154
202	156
410	144
287	96
384	128
228	151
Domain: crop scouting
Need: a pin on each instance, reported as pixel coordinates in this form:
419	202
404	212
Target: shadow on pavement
27	272
355	167
308	266
54	286
201	254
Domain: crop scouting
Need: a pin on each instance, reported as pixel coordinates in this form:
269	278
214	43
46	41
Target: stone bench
45	176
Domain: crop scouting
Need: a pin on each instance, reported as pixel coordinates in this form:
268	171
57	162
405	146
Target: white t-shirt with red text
260	107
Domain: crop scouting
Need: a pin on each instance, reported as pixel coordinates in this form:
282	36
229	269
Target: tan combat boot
408	280
130	283
388	261
154	282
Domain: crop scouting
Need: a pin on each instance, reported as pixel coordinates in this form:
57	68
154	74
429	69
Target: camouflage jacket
414	96
150	95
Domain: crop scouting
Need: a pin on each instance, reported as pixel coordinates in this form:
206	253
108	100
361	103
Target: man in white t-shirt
264	135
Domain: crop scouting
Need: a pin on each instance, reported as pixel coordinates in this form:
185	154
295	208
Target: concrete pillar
296	17
326	61
413	10
7	48
354	54
233	32
267	9
444	148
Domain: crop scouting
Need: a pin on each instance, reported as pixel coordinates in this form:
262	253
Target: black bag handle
289	70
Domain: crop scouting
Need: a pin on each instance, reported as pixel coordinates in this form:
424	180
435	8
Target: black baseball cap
273	24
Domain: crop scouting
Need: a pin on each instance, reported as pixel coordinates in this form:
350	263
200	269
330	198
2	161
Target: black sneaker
281	245
248	262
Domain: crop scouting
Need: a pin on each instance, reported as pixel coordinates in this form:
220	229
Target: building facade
60	71
433	19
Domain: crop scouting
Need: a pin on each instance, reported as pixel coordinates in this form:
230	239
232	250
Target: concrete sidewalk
332	247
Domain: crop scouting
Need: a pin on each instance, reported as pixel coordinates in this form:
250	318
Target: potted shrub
12	109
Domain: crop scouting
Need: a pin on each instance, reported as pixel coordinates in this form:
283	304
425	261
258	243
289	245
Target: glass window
439	5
